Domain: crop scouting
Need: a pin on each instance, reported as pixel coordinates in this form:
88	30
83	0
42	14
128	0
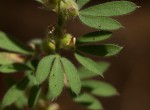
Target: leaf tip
53	99
121	48
138	6
102	75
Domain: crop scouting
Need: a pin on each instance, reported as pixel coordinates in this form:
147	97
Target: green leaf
88	63
71	75
31	76
34	94
102	23
6	58
100	88
81	3
12	68
94	37
101	50
44	68
21	102
96	105
56	79
89	101
9	58
85	73
10	44
11	96
114	8
15	92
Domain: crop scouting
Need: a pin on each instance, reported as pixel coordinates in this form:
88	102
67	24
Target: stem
59	27
60	18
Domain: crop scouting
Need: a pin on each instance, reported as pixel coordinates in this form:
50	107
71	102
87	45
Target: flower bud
67	42
68	9
49	45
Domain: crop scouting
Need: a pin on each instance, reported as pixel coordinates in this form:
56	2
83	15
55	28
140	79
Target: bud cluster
53	42
67	8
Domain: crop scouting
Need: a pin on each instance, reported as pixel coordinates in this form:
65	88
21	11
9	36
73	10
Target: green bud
49	45
67	42
68	9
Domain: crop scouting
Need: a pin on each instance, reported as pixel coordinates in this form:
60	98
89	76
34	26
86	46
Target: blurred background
129	71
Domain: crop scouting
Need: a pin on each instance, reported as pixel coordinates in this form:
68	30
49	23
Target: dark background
130	70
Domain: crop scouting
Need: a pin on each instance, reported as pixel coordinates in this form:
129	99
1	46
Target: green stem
60	17
59	27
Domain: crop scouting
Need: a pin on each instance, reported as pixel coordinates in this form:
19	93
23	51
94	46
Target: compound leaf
34	94
71	75
44	68
94	37
102	23
56	79
101	50
85	73
114	8
88	63
10	44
